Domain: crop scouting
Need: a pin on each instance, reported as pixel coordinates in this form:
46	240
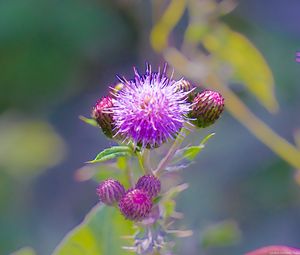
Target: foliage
25	251
214	55
100	233
225	233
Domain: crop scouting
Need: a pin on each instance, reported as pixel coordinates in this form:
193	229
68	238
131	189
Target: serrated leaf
221	234
99	234
89	121
248	65
111	153
190	153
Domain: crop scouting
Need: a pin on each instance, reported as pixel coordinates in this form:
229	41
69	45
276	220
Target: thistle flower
110	191
207	108
104	117
150	184
150	109
135	205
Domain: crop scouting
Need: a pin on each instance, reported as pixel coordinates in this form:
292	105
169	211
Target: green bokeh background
58	57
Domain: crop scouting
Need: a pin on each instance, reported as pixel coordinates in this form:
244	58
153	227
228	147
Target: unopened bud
103	115
136	205
186	86
110	191
150	184
114	91
207	108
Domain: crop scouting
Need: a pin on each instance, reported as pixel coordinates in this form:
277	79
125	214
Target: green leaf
111	153
169	207
167	200
89	121
225	233
25	251
247	63
99	234
191	152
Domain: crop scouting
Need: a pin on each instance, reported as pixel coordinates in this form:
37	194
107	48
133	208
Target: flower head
135	205
150	184
102	114
110	191
150	109
207	108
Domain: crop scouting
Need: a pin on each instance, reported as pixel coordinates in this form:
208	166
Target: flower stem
129	173
141	161
146	160
185	131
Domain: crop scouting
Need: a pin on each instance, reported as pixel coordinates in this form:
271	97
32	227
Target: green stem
180	138
141	161
129	172
146	160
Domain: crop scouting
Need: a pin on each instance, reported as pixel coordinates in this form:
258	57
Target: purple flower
298	56
150	109
135	205
110	191
150	184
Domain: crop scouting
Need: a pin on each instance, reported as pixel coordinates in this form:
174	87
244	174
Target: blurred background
58	57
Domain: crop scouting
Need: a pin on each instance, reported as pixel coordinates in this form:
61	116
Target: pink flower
275	250
136	205
150	109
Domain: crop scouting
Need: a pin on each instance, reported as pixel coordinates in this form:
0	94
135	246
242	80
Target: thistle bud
136	205
207	108
101	113
114	91
110	191
150	184
186	86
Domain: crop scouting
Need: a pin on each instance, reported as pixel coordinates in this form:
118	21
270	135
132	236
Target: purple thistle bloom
150	109
150	184
110	191
136	205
